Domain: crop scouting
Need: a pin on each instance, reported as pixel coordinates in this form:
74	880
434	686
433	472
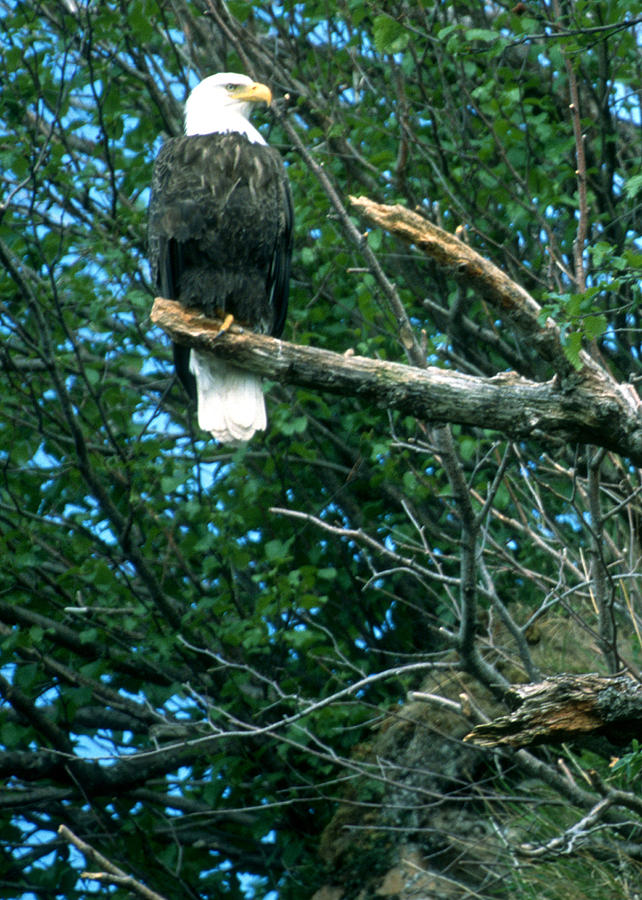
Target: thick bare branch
564	707
510	300
587	409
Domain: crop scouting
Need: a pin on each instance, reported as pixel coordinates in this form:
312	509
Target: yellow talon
227	321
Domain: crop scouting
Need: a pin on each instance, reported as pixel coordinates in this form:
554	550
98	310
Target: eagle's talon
225	325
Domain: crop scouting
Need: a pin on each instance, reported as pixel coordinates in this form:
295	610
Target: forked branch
109	874
591	410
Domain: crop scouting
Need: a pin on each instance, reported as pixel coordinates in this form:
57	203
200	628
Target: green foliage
184	670
390	36
630	764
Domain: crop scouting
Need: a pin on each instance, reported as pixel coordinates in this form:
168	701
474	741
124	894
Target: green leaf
633	186
375	237
481	34
572	347
277	550
390	36
169	483
594	326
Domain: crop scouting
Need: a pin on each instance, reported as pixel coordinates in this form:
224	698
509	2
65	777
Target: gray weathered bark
585	407
564	707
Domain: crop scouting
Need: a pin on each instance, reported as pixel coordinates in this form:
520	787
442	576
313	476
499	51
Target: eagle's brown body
220	231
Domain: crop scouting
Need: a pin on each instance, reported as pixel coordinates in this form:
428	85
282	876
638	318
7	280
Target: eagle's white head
222	103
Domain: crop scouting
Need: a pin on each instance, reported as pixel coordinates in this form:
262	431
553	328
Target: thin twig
111	874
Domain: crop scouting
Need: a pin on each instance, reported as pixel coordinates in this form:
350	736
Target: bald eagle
220	241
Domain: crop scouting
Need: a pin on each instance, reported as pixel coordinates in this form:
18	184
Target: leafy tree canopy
199	644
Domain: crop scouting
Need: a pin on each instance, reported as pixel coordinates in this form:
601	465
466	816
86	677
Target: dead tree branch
111	874
588	408
564	707
456	258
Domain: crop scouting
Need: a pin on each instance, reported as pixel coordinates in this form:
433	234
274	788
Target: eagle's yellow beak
253	93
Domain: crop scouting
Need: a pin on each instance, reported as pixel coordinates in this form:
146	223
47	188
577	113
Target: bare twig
602	585
580	161
111	874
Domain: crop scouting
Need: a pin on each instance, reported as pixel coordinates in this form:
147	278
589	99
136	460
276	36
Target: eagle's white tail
230	400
